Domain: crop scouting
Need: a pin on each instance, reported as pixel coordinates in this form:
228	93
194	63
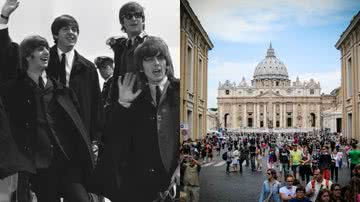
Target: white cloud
256	21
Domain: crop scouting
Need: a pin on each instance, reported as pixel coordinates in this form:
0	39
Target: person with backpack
316	184
284	154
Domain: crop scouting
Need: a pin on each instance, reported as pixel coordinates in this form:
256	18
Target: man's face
67	37
317	175
133	23
106	71
289	182
154	68
39	58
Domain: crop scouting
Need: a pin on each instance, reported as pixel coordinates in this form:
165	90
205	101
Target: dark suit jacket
17	108
118	174
84	82
71	135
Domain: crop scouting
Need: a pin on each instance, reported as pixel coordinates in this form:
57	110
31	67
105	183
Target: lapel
147	95
78	64
54	63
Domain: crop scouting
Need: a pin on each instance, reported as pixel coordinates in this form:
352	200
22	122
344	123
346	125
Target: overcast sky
98	20
303	34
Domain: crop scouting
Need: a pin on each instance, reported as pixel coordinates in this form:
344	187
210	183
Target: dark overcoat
120	173
84	82
20	106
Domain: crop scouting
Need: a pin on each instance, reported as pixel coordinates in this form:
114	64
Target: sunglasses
129	16
268	173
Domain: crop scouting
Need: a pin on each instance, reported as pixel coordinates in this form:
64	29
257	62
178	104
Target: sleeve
261	199
308	187
9	57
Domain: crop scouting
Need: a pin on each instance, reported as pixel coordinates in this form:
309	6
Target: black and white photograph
89	101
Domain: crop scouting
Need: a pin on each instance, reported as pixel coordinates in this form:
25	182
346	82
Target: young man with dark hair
318	183
132	21
151	117
77	73
51	140
106	68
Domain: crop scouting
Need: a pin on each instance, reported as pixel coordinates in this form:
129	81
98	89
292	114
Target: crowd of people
299	166
62	137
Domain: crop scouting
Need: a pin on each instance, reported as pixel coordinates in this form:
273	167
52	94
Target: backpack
224	156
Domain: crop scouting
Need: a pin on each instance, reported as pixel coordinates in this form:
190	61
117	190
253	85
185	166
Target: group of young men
53	115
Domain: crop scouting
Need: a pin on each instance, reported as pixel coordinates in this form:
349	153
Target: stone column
258	115
274	115
234	116
305	116
254	116
244	116
294	115
265	116
285	115
318	118
281	116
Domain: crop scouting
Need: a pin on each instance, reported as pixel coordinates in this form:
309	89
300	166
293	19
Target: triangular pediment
269	93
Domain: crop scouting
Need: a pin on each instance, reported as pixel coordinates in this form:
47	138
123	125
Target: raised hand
125	88
9	7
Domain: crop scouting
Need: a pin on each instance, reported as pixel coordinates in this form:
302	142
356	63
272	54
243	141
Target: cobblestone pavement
217	186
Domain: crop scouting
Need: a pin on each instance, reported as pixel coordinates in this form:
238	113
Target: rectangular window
200	132
189	69
289	122
250	123
189	121
349	78
200	79
349	126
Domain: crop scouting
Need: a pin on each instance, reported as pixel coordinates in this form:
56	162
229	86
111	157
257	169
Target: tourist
270	187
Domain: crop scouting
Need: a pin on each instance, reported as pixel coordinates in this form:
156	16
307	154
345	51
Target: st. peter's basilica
271	102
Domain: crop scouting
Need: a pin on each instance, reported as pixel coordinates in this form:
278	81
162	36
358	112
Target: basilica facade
271	102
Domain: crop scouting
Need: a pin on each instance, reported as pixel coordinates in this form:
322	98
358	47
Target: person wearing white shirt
288	191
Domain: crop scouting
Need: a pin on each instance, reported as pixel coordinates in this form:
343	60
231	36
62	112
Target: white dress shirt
68	63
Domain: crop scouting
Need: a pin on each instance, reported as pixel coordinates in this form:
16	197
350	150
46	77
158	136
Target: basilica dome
271	67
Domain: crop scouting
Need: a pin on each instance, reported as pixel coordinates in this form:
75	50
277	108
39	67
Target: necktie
62	71
41	83
158	95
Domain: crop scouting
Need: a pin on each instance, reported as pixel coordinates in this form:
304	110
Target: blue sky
303	34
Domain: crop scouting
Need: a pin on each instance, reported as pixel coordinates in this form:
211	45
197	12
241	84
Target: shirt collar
69	56
161	84
35	77
130	41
